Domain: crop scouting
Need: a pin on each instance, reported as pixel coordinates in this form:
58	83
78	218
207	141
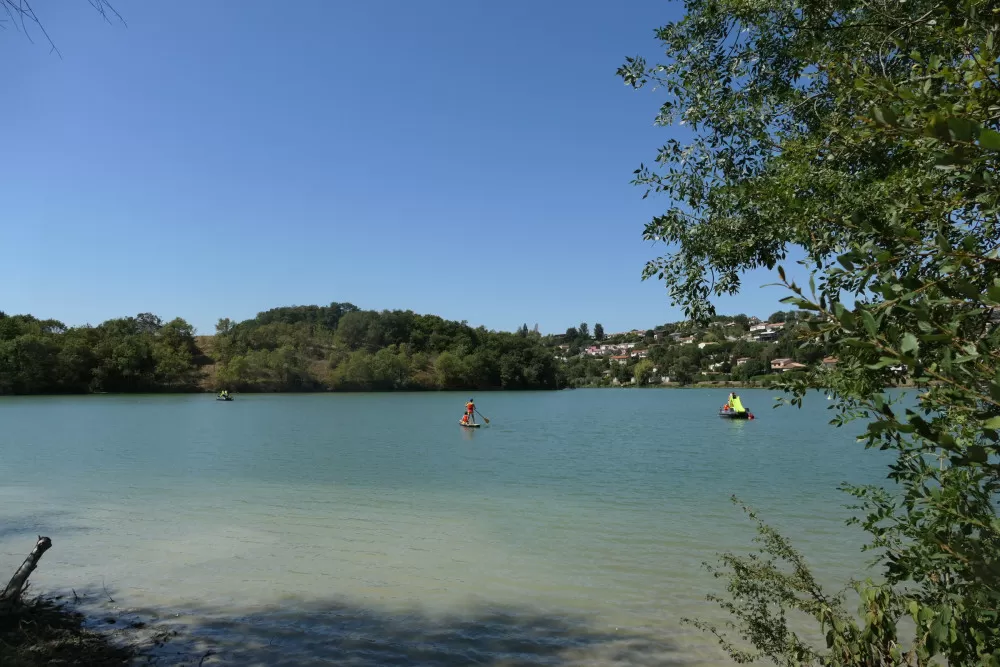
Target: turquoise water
371	529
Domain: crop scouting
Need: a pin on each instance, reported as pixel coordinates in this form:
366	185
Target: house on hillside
639	354
742	360
766	332
784	364
621	359
686	340
830	362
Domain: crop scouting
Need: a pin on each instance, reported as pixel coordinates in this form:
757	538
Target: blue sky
215	159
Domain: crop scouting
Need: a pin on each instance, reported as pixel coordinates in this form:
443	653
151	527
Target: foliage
868	135
129	354
341	348
643	372
598	332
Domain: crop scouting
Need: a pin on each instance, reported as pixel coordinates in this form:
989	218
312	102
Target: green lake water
370	529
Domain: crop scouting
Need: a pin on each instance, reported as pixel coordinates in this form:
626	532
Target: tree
683	370
751	369
584	331
867	135
598	332
643	371
572	334
621	372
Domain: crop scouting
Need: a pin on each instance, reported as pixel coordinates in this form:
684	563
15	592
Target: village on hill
731	349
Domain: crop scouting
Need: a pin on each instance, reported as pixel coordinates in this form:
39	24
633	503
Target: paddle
485	419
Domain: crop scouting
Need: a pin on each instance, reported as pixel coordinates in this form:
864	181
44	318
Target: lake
370	529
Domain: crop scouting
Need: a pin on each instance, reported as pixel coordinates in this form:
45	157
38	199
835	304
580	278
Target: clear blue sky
216	159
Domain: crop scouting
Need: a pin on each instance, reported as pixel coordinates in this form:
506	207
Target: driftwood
12	593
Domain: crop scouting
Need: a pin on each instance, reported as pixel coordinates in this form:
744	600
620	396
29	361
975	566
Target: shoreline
49	630
670	385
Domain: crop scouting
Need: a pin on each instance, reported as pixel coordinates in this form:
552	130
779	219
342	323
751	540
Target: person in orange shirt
470	410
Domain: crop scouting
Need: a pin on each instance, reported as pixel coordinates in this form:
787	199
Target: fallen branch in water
42	631
11	595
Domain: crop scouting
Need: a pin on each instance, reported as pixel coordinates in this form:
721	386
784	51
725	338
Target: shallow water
372	530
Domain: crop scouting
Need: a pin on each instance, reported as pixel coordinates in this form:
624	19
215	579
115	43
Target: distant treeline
130	354
303	348
343	348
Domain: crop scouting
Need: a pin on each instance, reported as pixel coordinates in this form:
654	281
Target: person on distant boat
470	410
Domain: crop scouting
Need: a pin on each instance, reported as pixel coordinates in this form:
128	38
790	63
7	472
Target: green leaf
909	343
962	129
990	139
885	115
869	322
993	423
977	454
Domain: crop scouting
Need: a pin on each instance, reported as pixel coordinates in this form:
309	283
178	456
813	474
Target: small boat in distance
223	396
467	425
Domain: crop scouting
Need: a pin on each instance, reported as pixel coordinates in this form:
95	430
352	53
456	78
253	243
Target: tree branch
12	593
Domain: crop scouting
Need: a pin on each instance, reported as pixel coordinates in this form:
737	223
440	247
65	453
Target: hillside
301	348
342	348
729	349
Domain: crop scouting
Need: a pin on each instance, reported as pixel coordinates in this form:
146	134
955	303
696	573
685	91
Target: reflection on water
289	529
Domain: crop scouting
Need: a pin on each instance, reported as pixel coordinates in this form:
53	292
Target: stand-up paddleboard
468	425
